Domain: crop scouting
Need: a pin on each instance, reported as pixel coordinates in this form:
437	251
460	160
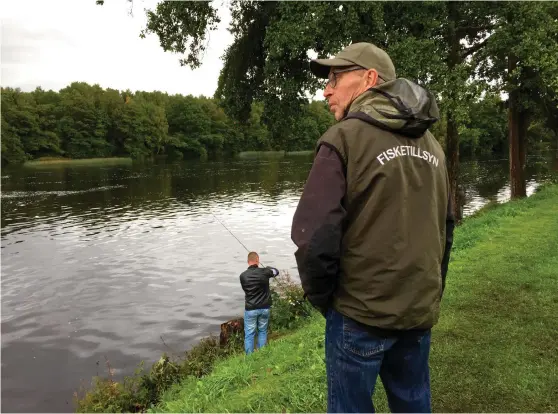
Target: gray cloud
21	45
41	46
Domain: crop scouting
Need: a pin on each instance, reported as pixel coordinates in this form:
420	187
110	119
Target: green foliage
27	129
12	148
485	132
183	22
289	308
257	133
84	121
268	59
458	50
108	395
526	33
142	390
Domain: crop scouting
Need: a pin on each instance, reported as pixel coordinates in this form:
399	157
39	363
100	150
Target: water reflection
101	261
486	181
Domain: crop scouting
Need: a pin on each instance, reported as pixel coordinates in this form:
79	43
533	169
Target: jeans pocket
360	342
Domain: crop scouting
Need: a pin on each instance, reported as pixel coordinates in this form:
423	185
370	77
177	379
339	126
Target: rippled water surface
105	261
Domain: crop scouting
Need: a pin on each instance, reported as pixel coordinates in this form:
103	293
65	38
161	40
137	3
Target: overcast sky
53	43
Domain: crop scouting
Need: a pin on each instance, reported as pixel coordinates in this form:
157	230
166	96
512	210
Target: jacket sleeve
450	225
317	227
272	272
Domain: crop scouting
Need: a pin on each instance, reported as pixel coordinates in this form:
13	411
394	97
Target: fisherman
255	283
374	230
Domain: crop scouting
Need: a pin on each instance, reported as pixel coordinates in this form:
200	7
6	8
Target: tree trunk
517	127
452	150
452	134
231	328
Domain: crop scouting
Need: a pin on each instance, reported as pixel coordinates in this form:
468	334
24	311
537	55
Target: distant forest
85	121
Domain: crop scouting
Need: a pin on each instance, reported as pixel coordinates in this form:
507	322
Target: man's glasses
332	77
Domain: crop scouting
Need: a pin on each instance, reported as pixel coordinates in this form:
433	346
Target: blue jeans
355	357
255	318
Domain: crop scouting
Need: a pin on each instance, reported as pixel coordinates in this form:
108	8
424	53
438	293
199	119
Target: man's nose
328	91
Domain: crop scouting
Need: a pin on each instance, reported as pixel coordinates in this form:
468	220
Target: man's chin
337	114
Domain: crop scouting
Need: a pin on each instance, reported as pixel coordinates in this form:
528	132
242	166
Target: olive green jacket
373	226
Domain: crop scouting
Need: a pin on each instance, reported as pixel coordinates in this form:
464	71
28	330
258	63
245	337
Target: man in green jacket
374	232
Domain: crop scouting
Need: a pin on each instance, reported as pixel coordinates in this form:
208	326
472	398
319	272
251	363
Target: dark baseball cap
362	54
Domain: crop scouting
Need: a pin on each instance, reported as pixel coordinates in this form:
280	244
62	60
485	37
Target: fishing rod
276	279
237	239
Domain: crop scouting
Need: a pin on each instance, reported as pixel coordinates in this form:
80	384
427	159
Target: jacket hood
399	106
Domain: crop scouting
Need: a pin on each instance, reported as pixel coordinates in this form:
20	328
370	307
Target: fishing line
277	280
220	222
263	265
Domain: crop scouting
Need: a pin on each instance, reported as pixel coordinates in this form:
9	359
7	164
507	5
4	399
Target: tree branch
474	49
473	29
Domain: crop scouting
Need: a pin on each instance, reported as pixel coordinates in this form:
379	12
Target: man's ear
371	77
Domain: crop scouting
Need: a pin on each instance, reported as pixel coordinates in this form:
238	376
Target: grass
49	161
303	153
494	349
260	154
273	154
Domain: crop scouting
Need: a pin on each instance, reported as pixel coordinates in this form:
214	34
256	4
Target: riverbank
272	154
49	161
144	389
494	348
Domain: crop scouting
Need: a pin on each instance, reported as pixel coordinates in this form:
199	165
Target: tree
485	131
255	132
25	119
521	58
430	42
83	124
433	43
12	149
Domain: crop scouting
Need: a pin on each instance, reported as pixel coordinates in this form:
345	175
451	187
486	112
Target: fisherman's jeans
257	318
355	358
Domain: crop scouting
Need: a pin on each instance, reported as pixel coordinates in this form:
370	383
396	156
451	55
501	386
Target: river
103	261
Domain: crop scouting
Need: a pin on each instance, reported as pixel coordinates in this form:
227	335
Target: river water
104	261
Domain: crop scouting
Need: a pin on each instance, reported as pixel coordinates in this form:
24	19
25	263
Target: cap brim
321	67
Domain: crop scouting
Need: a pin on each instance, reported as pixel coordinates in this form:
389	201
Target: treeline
85	121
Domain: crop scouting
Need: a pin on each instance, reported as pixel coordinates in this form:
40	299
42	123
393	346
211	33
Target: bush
141	391
289	308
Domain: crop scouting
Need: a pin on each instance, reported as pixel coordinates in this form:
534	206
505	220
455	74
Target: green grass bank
494	349
55	161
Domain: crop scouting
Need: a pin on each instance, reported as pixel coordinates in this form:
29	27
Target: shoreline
76	161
